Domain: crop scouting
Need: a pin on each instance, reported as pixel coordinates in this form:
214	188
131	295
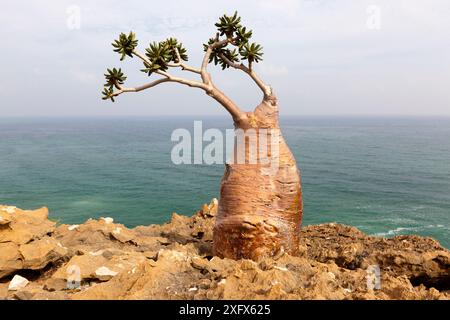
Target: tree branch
205	85
182	65
142	57
122	89
265	88
205	76
190	83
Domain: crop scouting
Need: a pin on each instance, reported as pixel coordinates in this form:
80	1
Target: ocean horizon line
219	116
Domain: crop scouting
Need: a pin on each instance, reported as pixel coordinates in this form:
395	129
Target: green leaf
228	25
125	45
108	94
160	54
114	76
173	44
251	52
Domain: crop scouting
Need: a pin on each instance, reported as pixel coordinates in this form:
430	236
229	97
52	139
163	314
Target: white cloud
84	77
273	70
324	45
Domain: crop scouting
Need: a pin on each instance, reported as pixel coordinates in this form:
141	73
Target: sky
322	57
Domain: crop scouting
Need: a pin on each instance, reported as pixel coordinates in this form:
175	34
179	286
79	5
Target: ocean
385	176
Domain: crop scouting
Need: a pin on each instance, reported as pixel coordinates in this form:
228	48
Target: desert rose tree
260	208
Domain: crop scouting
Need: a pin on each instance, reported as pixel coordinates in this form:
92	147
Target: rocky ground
104	260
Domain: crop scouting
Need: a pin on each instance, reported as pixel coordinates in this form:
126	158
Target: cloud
273	70
84	77
320	46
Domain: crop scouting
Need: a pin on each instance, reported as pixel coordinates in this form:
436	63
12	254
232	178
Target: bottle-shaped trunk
260	206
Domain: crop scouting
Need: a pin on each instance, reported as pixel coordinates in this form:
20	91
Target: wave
401	230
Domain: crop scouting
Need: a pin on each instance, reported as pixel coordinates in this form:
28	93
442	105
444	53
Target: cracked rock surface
100	259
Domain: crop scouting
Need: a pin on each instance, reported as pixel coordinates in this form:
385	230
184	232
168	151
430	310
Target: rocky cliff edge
100	259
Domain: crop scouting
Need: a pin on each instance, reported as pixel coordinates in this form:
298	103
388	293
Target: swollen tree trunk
260	206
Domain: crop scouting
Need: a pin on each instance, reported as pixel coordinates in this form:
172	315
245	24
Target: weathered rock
17	283
105	274
54	284
174	261
23	295
24	240
10	258
95	266
24	225
39	253
3	291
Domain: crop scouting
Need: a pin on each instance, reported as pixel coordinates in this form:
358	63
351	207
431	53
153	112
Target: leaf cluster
113	77
238	36
160	54
125	45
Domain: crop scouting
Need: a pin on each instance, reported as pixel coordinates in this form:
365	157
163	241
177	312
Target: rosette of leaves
173	44
232	55
125	45
108	94
251	52
242	36
227	25
113	77
159	55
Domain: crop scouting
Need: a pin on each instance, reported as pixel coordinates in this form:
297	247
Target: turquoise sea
386	176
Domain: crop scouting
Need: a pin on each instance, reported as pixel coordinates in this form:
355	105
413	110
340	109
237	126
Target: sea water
386	176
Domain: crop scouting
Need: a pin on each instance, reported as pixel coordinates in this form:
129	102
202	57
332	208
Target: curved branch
182	65
142	57
190	83
122	89
205	76
248	70
207	86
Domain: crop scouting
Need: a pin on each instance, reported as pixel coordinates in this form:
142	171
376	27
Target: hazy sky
321	56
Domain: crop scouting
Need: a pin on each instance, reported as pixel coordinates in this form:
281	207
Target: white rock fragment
280	268
172	255
97	253
9	209
222	282
108	220
214	203
73	227
117	230
347	290
104	273
17	283
193	289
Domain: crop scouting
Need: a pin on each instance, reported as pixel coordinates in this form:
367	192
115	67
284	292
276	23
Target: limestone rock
24	225
94	265
10	258
17	283
105	274
104	260
39	253
3	291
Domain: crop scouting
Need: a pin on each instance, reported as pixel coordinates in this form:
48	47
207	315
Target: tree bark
260	206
